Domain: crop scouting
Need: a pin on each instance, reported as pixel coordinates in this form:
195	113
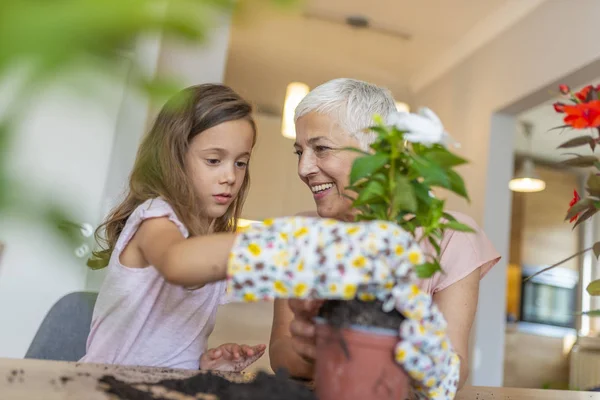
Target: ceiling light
402	107
294	94
526	179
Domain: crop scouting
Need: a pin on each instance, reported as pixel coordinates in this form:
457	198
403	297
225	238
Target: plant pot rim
373	330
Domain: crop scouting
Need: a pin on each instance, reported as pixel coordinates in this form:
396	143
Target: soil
263	387
341	313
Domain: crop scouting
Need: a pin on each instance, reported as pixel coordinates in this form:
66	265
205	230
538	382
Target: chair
62	336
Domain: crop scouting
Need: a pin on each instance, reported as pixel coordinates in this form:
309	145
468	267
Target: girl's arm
187	262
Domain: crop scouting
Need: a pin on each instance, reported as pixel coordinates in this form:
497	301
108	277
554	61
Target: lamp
402	107
294	94
526	179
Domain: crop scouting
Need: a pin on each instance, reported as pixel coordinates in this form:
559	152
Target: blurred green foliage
41	40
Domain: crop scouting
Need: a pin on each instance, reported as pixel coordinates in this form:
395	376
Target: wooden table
52	380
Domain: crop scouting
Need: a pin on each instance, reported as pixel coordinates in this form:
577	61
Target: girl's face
217	161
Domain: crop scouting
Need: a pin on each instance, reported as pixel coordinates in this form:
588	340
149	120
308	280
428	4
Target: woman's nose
307	166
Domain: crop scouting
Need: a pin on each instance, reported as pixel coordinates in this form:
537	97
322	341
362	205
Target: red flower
559	107
564	89
574	201
584	93
583	115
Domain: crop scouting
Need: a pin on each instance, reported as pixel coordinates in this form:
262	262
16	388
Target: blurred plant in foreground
42	40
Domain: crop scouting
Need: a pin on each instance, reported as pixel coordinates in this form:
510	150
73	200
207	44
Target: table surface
52	380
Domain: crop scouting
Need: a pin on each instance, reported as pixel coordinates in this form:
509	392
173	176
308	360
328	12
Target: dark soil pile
341	313
263	387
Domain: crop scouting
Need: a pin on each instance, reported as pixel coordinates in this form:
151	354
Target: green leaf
56	216
457	184
559	127
448	217
356	150
578	141
382	133
404	196
585	216
365	166
594	288
373	191
435	244
379	210
380	177
96	263
580	161
579	207
422	193
437	233
378	119
591	313
593	184
457	226
436	211
596	249
432	174
444	158
426	270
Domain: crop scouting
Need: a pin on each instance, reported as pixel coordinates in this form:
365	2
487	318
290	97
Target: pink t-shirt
140	319
461	254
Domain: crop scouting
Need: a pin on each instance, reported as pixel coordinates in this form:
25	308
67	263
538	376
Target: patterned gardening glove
424	350
306	257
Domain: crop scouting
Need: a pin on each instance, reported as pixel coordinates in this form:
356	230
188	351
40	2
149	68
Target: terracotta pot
368	372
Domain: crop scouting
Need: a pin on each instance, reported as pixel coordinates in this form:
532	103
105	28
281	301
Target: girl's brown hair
159	169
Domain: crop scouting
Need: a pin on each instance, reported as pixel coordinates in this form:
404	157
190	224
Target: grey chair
63	333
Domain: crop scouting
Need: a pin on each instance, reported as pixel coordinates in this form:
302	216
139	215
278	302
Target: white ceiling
270	48
544	140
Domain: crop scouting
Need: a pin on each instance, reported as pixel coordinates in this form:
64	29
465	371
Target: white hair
352	103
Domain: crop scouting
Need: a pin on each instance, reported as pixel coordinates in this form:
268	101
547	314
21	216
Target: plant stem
392	178
559	263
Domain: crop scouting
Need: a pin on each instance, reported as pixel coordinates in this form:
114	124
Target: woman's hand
302	327
231	357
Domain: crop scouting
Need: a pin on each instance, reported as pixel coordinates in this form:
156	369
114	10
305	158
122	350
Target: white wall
63	146
517	68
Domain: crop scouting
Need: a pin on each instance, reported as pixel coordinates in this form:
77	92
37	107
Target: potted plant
357	338
582	113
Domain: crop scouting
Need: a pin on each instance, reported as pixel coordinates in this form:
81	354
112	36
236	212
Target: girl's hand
231	357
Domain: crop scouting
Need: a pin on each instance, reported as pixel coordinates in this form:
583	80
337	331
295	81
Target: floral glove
305	257
424	351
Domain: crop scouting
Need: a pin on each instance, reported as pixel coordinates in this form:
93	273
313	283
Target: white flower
424	127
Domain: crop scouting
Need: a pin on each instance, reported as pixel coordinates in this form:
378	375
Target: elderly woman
329	119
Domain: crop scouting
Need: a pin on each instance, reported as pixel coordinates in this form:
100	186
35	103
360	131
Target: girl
190	178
